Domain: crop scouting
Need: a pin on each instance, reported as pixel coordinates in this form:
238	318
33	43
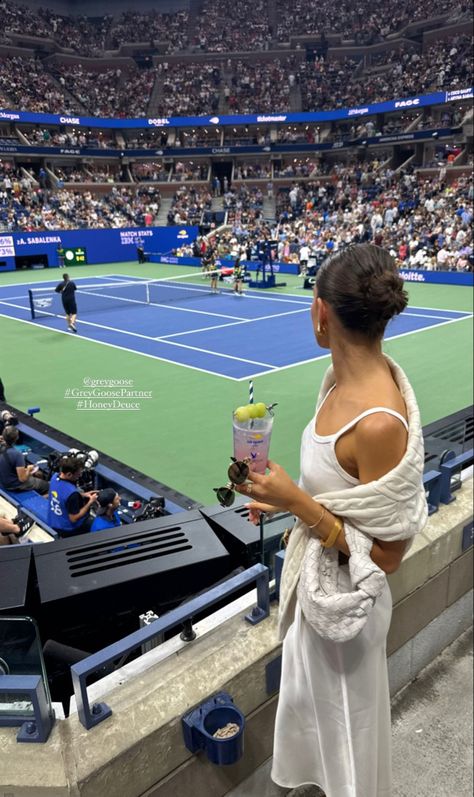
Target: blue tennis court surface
226	335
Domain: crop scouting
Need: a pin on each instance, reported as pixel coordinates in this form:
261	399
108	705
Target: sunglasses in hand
238	473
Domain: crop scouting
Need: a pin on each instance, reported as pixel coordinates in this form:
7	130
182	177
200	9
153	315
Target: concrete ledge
436	546
405	664
139	751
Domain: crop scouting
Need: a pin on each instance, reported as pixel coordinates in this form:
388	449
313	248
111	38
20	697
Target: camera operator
11	530
69	508
107	516
14	474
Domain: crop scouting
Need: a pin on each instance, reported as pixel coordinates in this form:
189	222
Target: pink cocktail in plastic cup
252	441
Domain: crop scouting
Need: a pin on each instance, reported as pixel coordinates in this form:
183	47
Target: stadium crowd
93	173
80	33
260	85
111	92
426	223
135	26
26	204
238	86
188	205
70	137
191	90
343	83
366	21
220	27
26	85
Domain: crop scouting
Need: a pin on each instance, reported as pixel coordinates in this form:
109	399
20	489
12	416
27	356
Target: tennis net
97	297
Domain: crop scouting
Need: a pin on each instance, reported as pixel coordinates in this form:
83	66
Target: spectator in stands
107	516
2	391
303	262
69	508
14	474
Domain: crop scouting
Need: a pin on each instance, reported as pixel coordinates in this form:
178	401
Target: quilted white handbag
335	615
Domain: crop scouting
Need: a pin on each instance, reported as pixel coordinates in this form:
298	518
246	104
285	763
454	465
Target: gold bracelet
315	525
333	534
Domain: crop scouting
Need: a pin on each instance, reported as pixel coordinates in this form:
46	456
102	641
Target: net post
32	304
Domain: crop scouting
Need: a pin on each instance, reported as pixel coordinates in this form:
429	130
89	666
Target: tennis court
181	321
181	434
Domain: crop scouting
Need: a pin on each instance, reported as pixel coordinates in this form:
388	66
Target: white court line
240	320
34	285
121	348
157	304
120	278
322	356
218	354
231	324
169	343
274	369
439	309
295	299
427	315
17	306
292	298
9	298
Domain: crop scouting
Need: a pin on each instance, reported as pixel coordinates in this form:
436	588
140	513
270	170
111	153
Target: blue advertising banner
102	246
225	262
409	275
438	277
436	98
180	152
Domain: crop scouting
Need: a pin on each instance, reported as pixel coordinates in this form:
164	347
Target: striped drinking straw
250	392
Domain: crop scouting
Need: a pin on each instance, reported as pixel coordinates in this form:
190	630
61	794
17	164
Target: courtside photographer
69	509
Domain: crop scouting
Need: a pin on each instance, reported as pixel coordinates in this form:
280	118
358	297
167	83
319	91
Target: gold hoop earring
321	330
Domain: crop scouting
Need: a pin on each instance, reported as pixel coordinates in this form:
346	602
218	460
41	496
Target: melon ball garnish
242	414
260	409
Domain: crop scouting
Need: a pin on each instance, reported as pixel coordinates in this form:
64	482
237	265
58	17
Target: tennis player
238	275
67	288
209	266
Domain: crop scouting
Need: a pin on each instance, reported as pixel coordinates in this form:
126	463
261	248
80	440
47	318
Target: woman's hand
269	493
256	509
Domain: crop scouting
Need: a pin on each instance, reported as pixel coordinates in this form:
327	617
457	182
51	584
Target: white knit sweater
391	508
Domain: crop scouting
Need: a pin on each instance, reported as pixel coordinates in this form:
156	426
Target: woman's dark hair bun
364	287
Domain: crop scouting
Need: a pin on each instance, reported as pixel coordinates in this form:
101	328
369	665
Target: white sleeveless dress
332	726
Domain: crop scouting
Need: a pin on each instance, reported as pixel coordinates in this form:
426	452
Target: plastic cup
252	441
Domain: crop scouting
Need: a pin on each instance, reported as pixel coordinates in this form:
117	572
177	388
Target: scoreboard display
75	256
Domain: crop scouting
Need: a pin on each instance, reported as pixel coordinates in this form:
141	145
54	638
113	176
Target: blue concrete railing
451	474
432	485
91	716
37	727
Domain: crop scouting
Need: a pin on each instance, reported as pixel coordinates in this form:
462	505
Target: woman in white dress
333	719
